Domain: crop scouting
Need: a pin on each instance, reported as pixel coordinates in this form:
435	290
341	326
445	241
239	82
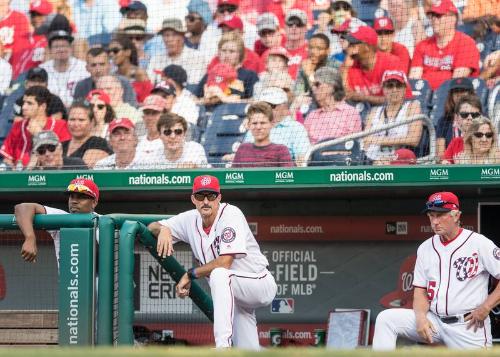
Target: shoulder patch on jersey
228	235
496	253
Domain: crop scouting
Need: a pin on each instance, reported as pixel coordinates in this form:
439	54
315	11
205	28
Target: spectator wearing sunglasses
281	7
365	65
82	143
385	31
98	65
123	140
480	144
48	155
334	118
382	146
135	31
199	17
270	34
123	54
226	8
341	11
467	109
445	129
449	53
296	43
102	112
176	151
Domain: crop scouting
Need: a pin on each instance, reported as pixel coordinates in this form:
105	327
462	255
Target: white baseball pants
236	295
392	323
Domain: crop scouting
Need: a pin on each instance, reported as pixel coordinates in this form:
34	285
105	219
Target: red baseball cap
206	183
442	7
276	51
403	295
228	2
85	186
120	123
442	202
233	22
362	34
101	95
404	157
400	76
154	102
221	75
42	7
383	24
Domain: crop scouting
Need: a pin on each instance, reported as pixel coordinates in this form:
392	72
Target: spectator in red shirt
449	53
252	61
268	29
262	152
296	44
385	31
16	148
364	66
467	109
282	7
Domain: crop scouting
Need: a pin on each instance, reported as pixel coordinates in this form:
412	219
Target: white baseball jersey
456	273
230	234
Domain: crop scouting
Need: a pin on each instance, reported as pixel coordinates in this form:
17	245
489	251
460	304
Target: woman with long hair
480	144
102	112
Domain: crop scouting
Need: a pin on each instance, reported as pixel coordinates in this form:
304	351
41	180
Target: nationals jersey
14	35
229	234
456	273
439	63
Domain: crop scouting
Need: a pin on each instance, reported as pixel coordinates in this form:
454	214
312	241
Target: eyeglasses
391	85
114	50
265	33
226	8
99	106
480	135
384	32
44	148
438	203
136	38
435	15
177	132
341	6
200	196
295	24
192	18
473	115
150	112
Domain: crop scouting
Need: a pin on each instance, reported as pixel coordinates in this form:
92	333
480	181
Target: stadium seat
348	153
422	91
225	130
366	9
493	101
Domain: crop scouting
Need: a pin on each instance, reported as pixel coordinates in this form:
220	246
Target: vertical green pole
106	281
76	287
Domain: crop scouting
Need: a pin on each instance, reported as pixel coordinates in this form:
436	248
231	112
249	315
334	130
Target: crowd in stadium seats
154	84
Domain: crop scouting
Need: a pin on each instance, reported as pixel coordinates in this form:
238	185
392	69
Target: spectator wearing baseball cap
296	43
48	155
334	117
381	147
199	17
102	112
385	32
404	157
152	108
251	61
276	62
280	10
365	65
39	10
83	196
448	53
172	32
262	152
286	130
269	31
134	29
231	55
228	8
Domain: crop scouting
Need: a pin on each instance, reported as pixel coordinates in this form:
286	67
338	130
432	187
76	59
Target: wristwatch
191	274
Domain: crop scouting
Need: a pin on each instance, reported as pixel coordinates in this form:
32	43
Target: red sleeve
7	149
61	129
212	63
467	54
402	53
418	55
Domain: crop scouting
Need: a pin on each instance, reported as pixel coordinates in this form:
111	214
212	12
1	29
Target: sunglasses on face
114	50
473	115
391	85
437	203
341	6
226	8
436	16
200	196
150	112
99	106
177	132
295	24
480	135
44	148
136	38
384	32
192	18
265	33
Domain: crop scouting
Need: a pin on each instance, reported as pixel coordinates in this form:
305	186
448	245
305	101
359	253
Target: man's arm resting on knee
421	308
25	213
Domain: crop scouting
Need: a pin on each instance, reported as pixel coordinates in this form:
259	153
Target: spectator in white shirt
63	69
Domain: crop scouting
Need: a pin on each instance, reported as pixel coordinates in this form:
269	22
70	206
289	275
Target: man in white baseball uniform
451	302
228	256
